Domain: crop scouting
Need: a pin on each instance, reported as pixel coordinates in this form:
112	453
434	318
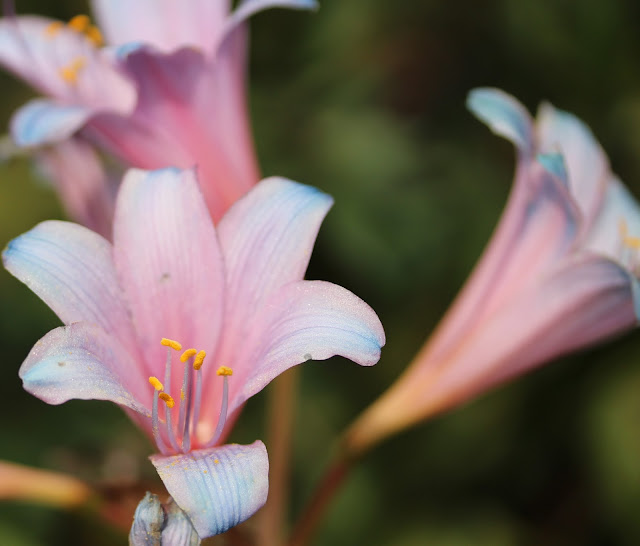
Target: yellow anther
156	383
187	355
632	242
79	23
182	395
170	343
53	28
70	73
95	36
224	370
198	360
167	399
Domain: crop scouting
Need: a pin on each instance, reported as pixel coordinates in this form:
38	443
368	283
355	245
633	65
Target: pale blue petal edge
247	8
121	52
504	115
148	521
554	164
42	122
79	361
218	488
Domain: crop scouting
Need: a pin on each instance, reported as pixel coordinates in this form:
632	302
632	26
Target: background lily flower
168	90
560	272
234	293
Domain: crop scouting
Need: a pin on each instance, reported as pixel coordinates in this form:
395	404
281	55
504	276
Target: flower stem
282	401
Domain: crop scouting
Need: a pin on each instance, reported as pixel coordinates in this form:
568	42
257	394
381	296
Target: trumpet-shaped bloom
560	272
180	322
168	90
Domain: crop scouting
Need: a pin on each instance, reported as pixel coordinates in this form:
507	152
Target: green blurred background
365	99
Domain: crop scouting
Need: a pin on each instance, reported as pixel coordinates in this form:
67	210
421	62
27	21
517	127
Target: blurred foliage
365	99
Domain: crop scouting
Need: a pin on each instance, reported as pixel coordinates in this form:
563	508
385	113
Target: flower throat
179	435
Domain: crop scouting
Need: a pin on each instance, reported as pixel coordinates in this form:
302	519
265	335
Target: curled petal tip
504	115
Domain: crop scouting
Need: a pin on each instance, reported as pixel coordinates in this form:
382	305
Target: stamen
197	365
198	360
225	372
632	242
187	355
53	29
154	416
170	343
95	36
79	23
70	73
172	437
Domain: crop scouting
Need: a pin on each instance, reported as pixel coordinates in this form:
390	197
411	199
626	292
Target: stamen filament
154	416
167	370
222	419
197	365
186	436
169	406
184	397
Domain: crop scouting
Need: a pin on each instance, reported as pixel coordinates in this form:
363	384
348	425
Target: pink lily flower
560	272
231	295
169	90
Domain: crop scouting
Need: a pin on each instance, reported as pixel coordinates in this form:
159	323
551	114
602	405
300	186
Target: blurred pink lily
559	274
231	295
169	90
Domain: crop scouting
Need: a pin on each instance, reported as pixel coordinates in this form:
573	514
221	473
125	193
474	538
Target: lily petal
267	238
42	122
539	225
82	361
504	115
308	320
257	265
218	487
587	163
167	256
85	189
71	269
583	301
165	24
64	64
